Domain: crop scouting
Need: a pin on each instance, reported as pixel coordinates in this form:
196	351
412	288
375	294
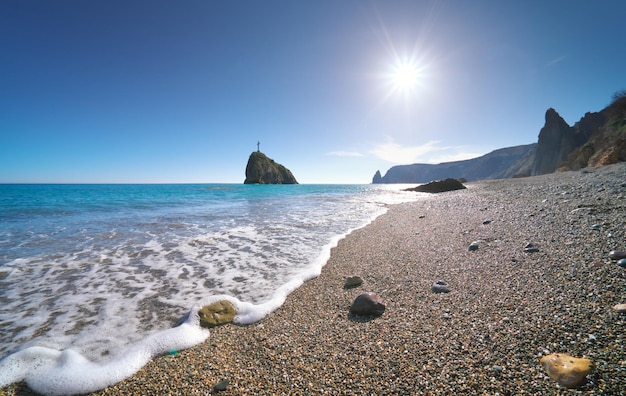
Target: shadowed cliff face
263	170
556	140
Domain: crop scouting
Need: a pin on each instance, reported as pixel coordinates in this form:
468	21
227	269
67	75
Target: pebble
353	281
221	386
473	246
617	254
368	304
568	371
531	248
440	287
620	308
622	262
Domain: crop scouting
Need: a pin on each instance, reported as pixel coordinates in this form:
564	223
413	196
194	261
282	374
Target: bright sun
405	76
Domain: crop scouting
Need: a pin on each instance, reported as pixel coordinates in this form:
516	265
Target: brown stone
368	304
217	314
567	370
620	308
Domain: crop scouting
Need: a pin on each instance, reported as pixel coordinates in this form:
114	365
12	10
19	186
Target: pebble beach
537	280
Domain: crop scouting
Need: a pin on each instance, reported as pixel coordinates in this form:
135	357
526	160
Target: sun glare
405	76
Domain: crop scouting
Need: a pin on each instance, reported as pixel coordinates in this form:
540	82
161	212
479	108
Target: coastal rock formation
568	371
368	304
598	138
217	314
377	178
263	170
557	140
499	164
439	186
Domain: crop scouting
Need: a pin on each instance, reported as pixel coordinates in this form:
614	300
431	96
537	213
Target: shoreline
506	309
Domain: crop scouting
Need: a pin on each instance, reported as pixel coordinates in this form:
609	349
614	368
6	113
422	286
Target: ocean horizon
95	270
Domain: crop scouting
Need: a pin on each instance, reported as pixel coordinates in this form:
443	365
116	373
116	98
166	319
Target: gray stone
221	386
617	254
440	287
353	281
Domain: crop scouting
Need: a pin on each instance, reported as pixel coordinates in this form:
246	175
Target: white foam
52	372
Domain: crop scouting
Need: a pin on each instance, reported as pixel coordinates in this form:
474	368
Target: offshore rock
217	314
367	304
263	170
568	371
439	186
377	178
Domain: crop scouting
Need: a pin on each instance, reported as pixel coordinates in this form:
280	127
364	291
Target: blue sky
163	91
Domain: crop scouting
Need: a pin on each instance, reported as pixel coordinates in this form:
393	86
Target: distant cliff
597	139
498	164
263	170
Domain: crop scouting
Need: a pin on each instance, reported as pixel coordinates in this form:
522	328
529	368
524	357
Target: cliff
606	142
599	138
263	170
498	164
557	139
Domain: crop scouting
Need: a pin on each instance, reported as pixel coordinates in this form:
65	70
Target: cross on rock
258	146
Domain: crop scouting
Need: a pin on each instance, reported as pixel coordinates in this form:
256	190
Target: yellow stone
620	308
217	314
568	371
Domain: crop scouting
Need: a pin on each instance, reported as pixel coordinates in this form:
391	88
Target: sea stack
263	170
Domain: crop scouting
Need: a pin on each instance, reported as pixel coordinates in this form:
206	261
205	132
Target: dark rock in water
353	281
439	186
368	304
440	287
263	170
377	178
617	254
622	262
221	386
473	246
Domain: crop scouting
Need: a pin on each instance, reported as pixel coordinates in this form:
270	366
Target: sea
96	279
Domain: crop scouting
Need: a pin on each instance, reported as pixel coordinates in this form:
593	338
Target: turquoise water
96	268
